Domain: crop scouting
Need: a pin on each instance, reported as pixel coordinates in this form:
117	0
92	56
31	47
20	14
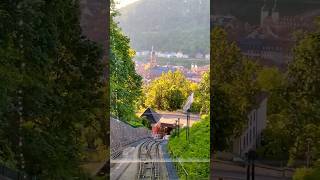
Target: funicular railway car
159	130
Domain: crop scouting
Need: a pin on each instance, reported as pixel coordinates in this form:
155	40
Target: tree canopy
52	73
233	87
293	99
293	118
125	83
293	115
169	91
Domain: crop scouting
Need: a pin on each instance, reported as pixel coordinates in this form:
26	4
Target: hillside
168	25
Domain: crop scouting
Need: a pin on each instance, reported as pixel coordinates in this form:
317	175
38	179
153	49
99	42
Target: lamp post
186	109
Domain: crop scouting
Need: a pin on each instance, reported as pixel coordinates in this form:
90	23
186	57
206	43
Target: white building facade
250	138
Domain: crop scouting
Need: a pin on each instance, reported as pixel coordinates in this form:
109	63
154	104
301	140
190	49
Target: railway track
149	156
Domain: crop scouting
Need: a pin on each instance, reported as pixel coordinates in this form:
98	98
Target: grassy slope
199	148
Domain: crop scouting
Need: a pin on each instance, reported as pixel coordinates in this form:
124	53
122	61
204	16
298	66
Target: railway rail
149	156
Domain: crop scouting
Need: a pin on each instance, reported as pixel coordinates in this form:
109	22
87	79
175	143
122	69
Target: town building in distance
151	69
270	42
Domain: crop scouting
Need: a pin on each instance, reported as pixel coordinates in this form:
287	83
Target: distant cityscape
150	69
179	55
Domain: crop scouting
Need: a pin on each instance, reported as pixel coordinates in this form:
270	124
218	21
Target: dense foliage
198	149
169	91
125	83
201	101
233	87
54	73
304	99
293	130
293	119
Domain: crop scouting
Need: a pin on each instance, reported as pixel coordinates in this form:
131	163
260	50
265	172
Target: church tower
153	61
275	13
264	13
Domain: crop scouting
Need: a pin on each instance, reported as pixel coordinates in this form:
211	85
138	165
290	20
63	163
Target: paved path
172	174
233	171
4	178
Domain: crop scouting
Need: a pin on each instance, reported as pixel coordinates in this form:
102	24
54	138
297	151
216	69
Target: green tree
59	74
293	106
270	79
233	87
125	83
276	139
169	91
302	93
202	95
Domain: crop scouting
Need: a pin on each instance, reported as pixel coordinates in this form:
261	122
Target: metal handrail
185	172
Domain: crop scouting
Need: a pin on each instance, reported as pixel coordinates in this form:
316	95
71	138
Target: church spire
153	61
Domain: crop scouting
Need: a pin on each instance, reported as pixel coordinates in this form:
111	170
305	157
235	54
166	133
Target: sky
123	3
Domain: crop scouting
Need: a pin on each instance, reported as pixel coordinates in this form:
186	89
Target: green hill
168	25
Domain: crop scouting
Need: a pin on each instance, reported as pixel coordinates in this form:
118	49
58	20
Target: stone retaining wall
123	134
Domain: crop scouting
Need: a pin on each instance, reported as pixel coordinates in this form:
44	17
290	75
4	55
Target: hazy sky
122	3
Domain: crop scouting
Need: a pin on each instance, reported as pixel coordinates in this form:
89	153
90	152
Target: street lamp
186	109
